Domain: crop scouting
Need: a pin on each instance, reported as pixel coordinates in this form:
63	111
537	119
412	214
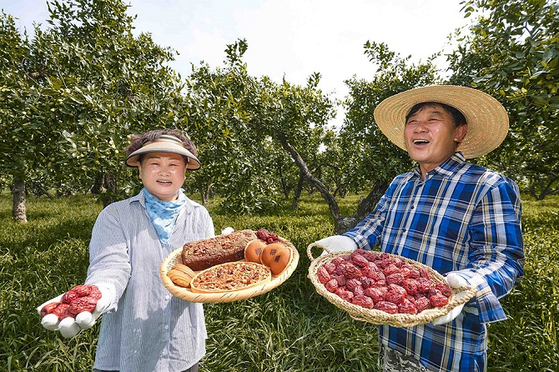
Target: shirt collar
188	206
447	169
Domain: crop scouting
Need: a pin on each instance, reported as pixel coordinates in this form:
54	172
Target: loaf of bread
201	254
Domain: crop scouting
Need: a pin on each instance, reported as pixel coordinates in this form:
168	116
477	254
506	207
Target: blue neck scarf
163	214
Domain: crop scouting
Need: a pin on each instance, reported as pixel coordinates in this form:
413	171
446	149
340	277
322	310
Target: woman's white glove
227	231
337	243
455	281
70	323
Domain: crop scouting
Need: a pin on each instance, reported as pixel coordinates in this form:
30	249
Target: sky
288	39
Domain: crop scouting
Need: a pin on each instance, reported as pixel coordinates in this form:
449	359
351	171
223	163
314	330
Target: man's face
431	137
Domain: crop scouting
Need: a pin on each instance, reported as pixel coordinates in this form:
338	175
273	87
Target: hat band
165	138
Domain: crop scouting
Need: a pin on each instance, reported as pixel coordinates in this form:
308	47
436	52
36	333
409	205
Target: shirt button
403	230
167	297
412	207
166	326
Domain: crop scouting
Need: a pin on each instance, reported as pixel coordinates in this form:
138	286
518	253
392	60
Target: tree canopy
512	53
73	93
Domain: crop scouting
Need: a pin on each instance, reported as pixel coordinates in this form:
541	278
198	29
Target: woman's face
163	174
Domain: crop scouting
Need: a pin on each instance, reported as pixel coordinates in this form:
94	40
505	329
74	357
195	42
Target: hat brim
487	119
162	145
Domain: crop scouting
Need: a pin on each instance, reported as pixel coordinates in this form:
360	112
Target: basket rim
378	316
215	297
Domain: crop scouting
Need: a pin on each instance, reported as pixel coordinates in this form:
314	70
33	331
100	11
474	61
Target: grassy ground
289	329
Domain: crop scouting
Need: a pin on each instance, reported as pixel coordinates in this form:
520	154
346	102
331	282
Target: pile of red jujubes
384	282
77	299
267	236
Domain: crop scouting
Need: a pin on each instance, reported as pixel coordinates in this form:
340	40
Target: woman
144	327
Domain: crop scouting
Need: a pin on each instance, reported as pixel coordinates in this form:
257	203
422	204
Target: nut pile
375	280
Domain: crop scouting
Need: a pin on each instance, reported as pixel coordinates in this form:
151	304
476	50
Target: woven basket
187	295
379	316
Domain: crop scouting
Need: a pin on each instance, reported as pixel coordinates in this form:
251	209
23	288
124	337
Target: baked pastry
270	252
185	269
181	275
280	261
202	254
254	249
230	276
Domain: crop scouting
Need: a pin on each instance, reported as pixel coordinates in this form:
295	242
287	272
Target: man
460	219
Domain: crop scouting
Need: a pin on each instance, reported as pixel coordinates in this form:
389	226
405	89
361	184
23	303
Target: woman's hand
77	309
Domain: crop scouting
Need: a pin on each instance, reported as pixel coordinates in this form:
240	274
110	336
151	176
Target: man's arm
496	257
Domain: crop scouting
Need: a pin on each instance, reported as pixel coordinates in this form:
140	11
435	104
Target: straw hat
165	143
487	119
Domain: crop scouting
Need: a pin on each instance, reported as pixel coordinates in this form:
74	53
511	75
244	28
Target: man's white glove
76	309
455	281
337	243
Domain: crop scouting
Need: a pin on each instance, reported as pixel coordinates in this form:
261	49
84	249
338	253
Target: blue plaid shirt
462	218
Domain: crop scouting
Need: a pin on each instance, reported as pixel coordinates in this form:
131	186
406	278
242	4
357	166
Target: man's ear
460	133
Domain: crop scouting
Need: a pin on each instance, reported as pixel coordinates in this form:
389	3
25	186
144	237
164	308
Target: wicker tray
187	295
379	316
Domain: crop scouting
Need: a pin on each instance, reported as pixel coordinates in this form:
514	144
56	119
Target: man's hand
337	243
454	281
76	309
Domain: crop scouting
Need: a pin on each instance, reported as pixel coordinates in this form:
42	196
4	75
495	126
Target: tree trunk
97	188
341	223
284	184
298	191
19	211
207	193
110	184
332	204
204	196
365	206
205	190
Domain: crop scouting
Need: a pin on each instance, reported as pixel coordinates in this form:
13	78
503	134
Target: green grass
291	328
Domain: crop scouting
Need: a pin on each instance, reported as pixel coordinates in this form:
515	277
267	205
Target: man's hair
458	118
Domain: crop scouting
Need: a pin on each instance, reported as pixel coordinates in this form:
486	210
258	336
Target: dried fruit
438	300
359	261
387	307
267	236
323	275
377	294
390	283
407	307
82	304
352	283
351	271
422	303
396	278
444	288
49	308
411	286
363	301
332	285
78	299
396	294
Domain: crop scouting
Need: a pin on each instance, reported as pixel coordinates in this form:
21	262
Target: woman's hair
138	141
457	117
